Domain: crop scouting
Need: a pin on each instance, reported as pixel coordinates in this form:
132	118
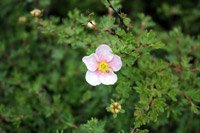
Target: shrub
42	76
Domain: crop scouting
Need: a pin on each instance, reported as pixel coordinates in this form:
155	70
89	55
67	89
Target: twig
73	126
134	130
195	70
186	97
122	24
110	11
150	103
113	32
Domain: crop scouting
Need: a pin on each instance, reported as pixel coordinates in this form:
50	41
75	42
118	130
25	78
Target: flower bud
91	24
22	19
36	13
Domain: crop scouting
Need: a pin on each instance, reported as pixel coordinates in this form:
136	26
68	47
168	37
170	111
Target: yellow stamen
115	107
104	67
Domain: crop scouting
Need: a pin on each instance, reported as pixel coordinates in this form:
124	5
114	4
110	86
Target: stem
112	32
186	97
122	24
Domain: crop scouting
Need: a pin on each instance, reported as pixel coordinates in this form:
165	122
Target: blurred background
41	88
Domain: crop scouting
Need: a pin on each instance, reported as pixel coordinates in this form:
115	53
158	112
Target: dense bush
42	76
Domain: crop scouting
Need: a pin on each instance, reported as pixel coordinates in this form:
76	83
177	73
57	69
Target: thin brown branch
113	32
182	93
110	11
195	70
122	24
72	125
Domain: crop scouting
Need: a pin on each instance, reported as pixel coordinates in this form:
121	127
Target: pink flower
101	66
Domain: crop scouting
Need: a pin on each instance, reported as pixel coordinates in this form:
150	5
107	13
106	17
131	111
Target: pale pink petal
90	62
104	52
103	47
116	63
92	78
108	78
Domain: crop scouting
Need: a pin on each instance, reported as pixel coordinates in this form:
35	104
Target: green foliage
92	126
42	83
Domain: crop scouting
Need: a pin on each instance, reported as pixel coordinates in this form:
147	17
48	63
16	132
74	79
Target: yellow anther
115	107
104	67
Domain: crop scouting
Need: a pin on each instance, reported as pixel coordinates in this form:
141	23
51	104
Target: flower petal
116	63
90	62
108	78
92	78
104	52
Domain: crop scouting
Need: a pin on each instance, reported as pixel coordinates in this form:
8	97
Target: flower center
115	107
104	67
